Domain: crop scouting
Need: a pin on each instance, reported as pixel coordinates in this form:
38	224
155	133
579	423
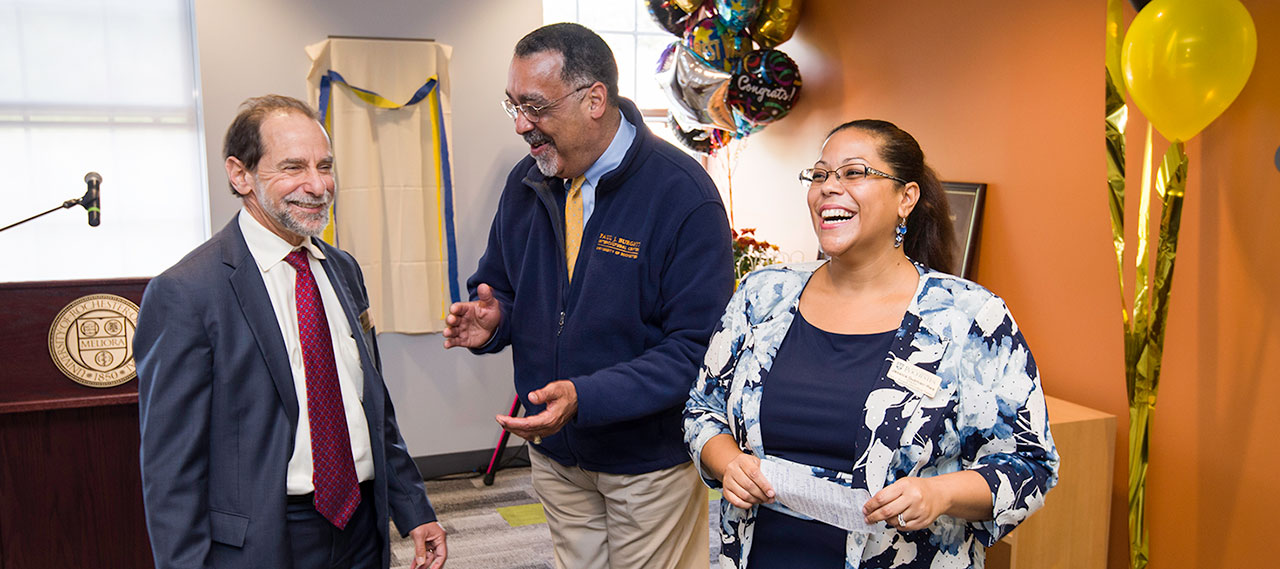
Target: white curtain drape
386	105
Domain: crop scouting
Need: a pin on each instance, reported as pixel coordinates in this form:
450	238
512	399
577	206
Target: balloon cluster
1184	61
723	76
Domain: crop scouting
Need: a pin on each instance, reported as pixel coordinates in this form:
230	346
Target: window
636	41
633	36
106	86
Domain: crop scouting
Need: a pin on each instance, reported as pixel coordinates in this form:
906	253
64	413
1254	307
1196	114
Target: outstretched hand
471	324
561	399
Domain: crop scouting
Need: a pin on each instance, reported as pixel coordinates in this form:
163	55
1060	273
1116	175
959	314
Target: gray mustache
309	204
534	138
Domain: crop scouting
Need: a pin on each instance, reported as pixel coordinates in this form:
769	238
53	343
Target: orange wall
1011	94
1215	436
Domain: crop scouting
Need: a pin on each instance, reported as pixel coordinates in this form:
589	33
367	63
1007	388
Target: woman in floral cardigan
884	374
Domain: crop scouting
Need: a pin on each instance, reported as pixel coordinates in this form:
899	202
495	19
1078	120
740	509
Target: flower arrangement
749	253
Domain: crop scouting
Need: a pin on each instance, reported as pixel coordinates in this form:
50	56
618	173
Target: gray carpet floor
481	538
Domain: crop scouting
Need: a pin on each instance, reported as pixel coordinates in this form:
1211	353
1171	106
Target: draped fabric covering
386	106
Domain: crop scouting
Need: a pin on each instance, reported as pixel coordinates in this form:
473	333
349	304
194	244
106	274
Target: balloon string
728	178
730	157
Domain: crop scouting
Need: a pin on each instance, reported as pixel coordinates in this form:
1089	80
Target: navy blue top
810	413
652	278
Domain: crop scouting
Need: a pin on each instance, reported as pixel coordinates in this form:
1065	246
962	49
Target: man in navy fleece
608	265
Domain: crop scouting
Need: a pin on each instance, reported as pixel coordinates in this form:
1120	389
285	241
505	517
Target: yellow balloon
777	21
688	5
1184	61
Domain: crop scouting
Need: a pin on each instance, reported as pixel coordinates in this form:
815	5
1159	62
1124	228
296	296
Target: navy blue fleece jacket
652	277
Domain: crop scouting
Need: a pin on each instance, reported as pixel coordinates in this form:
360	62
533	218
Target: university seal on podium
91	340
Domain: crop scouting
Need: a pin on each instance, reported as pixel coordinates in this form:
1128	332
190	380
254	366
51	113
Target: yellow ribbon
430	90
1144	331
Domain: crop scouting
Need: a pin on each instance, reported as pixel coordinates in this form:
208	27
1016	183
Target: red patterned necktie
337	493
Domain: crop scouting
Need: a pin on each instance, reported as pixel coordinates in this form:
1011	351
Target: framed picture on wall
965	201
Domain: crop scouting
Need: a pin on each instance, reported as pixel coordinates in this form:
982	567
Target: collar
613	155
267	248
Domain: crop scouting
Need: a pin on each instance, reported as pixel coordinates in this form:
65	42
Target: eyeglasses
846	174
532	113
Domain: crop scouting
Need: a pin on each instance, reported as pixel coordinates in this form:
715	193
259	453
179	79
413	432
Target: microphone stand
65	205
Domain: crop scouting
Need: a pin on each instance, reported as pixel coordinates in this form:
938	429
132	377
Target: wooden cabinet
1071	531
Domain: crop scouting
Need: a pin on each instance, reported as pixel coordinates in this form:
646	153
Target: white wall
445	401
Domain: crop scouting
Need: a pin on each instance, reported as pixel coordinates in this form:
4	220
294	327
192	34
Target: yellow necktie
573	223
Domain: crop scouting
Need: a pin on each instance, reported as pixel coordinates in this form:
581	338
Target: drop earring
900	232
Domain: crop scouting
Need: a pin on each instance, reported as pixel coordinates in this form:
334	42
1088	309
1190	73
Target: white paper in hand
797	488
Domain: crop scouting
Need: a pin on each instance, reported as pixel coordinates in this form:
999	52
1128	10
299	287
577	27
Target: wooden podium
70	489
1071	531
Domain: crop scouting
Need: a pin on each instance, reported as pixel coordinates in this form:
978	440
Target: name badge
918	381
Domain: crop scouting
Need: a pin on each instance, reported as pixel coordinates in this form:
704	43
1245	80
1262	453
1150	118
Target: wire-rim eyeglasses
848	173
533	113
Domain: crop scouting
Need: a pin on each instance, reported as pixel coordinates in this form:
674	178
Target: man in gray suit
268	436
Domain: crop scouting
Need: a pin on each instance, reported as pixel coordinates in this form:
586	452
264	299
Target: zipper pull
561	323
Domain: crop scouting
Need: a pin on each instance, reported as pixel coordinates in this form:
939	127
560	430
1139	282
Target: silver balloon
692	86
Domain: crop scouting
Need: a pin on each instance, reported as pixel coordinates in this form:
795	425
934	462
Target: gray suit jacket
218	412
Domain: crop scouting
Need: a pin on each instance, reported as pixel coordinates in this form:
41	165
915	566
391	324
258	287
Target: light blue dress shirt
607	162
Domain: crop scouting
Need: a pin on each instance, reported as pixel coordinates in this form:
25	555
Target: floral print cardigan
987	416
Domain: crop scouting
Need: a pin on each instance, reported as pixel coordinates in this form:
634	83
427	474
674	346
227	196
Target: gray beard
297	225
306	225
546	164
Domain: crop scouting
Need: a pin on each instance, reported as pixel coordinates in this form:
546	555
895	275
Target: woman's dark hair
587	58
930	237
244	136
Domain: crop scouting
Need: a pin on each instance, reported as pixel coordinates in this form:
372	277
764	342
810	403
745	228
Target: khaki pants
656	520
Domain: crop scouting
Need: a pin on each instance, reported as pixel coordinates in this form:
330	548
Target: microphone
91	199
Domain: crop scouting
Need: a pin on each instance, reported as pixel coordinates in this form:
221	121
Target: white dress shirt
269	251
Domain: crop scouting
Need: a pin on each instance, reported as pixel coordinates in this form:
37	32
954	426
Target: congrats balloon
764	89
1184	61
